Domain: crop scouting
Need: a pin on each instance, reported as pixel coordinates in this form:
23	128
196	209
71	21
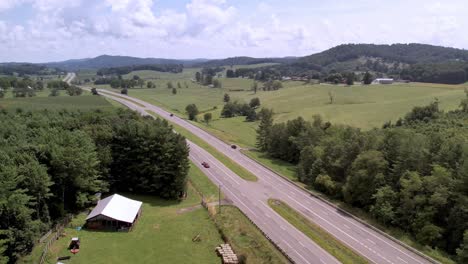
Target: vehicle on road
171	114
205	164
233	146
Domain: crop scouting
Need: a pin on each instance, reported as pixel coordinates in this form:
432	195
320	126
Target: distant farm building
383	81
115	213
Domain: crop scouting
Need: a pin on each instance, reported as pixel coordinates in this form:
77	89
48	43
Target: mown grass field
362	106
83	102
163	234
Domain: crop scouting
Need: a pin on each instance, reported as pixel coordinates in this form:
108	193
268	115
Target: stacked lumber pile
226	253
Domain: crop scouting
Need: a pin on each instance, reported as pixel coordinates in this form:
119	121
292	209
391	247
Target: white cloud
219	28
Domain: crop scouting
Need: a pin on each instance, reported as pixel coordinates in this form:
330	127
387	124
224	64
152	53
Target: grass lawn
246	239
317	234
162	235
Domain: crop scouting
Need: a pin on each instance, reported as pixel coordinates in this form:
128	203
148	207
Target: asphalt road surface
251	198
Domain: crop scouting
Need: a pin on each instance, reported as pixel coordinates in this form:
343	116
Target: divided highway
251	198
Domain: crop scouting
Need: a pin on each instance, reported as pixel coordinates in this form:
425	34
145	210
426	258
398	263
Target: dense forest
108	61
411	62
412	174
22	69
52	163
243	61
174	68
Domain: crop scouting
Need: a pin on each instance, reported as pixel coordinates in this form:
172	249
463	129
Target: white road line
264	172
400	259
371	241
306	261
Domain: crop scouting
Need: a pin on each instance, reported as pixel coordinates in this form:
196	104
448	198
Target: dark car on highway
206	165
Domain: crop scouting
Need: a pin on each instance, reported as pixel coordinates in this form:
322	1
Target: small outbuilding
115	212
383	81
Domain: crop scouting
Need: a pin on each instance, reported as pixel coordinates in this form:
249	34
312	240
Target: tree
150	85
207	117
198	77
255	87
141	83
366	176
178	85
367	79
74	90
136	77
251	115
217	83
264	128
350	79
384	206
462	251
2	93
174	91
464	102
226	98
254	102
325	184
169	85
54	92
124	91
424	113
192	111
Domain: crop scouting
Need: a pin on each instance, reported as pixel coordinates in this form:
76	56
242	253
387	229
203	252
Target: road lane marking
273	176
400	259
371	241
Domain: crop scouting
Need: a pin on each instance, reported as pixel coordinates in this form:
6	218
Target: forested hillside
52	163
348	63
412	174
243	61
107	61
25	68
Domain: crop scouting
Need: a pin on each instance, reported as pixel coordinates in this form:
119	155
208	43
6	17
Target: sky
56	30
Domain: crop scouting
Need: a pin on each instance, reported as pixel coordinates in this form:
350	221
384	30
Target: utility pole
219	198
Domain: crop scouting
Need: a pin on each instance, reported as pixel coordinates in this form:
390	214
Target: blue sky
53	30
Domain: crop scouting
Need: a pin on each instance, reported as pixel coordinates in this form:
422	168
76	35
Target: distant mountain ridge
108	61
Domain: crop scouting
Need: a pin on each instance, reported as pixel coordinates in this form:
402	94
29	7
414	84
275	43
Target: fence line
58	229
205	205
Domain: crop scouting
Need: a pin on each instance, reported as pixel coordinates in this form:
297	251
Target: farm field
83	102
362	106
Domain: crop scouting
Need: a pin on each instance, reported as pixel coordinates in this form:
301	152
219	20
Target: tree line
53	163
174	68
23	69
412	174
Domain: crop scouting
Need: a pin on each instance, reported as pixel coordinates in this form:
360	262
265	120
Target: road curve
251	198
253	202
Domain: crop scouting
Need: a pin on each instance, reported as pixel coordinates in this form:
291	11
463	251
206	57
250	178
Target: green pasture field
363	106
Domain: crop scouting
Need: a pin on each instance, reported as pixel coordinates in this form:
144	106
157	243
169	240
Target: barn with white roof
114	212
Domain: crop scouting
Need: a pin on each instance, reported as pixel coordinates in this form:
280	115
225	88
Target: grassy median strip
248	242
236	168
317	234
123	97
